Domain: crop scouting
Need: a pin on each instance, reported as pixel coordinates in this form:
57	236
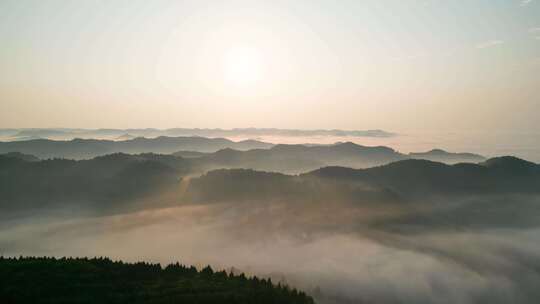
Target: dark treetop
100	280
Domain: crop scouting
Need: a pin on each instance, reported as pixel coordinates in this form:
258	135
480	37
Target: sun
242	66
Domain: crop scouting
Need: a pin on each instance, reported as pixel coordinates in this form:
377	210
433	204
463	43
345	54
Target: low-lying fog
336	252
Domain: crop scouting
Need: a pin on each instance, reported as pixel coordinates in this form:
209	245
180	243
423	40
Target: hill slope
123	182
82	280
448	157
408	179
116	182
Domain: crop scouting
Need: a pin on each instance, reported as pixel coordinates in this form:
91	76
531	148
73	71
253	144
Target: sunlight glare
243	66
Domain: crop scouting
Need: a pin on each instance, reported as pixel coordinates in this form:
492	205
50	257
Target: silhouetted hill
240	185
249	154
100	280
414	195
89	148
447	157
510	164
121	182
299	158
293	159
423	177
407	179
21	156
111	183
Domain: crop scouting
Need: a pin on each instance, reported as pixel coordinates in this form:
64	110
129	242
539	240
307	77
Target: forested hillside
100	280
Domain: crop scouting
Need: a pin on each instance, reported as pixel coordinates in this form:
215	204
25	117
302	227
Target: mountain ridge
79	148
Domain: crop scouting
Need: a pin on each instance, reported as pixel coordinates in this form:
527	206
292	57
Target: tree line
101	280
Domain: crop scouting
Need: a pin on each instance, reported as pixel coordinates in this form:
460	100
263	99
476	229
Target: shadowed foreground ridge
100	280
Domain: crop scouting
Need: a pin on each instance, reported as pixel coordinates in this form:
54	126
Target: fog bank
330	251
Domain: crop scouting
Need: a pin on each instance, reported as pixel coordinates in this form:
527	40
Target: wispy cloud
488	44
525	2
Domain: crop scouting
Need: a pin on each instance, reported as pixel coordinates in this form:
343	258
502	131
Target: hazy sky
392	65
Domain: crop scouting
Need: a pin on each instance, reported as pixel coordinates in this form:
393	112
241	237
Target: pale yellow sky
395	65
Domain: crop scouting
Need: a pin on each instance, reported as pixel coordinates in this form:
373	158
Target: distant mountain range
299	158
89	148
212	153
302	158
112	134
